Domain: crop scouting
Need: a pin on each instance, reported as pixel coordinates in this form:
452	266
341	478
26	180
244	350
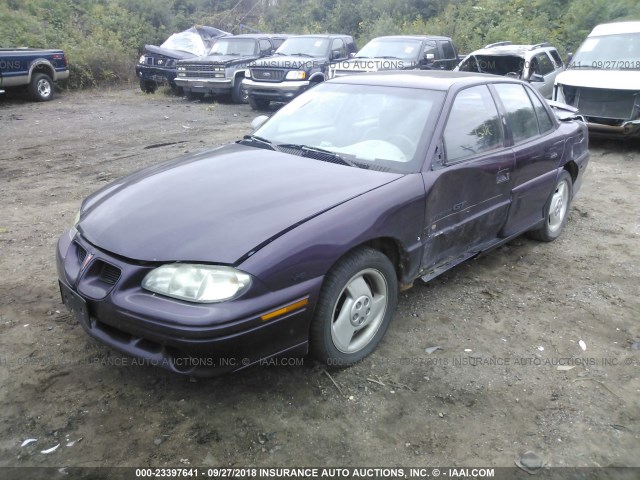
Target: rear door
468	188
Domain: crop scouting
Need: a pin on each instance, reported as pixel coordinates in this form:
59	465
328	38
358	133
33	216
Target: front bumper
199	340
161	76
205	85
278	92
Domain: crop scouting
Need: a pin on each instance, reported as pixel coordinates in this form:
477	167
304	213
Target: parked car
34	69
158	65
222	71
400	52
299	237
300	63
603	80
538	64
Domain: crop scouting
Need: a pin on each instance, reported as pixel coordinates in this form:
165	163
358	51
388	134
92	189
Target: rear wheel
41	87
556	210
258	103
356	304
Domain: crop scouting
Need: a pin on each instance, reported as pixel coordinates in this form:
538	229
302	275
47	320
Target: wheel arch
317	77
573	170
42	66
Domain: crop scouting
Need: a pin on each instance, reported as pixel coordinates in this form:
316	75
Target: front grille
201	70
603	103
268	75
109	274
81	254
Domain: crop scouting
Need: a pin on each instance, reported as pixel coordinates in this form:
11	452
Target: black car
299	63
158	64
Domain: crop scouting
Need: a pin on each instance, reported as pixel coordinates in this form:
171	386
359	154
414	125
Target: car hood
223	59
289	61
177	54
217	206
609	79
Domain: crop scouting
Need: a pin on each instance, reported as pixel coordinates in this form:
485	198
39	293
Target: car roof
505	48
413	37
322	35
617	27
257	35
424	79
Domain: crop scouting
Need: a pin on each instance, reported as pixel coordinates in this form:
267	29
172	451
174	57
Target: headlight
296	75
74	226
197	283
142	59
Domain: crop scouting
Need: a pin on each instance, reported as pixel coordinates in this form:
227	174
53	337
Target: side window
338	45
544	64
556	58
473	125
447	50
520	114
430	47
265	46
544	122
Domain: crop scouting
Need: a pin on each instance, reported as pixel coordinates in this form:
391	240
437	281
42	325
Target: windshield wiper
259	140
388	57
306	149
301	55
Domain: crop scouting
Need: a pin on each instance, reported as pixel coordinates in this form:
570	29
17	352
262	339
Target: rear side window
473	125
265	46
520	114
544	122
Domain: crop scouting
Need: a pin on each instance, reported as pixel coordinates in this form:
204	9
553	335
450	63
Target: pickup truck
297	65
34	69
222	71
400	52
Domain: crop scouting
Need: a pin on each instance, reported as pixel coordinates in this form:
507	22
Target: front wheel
41	87
191	95
148	87
239	93
556	210
356	304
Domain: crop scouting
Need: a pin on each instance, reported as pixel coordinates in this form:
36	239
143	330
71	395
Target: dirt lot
520	311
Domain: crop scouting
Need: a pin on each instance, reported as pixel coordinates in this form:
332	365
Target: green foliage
103	38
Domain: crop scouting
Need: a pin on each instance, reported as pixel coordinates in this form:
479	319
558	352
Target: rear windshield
493	64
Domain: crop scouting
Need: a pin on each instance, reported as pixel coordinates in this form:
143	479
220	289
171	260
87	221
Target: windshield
374	127
312	46
612	52
234	46
395	48
187	41
493	64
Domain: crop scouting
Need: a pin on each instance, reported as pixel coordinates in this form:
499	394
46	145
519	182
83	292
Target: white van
603	80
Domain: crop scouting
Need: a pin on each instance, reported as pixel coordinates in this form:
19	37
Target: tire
239	93
258	103
176	90
556	210
41	87
148	87
356	304
193	95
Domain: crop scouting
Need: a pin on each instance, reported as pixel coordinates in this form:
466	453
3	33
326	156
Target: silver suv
538	64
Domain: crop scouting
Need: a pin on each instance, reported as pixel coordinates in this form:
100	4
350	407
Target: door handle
502	175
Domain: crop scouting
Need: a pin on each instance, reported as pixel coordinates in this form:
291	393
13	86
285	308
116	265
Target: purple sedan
298	238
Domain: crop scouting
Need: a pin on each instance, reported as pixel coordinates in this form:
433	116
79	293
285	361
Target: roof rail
539	45
499	44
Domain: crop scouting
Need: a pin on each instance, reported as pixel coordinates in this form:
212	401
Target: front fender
393	211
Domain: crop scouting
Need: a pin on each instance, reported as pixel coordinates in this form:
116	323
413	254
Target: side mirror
335	54
257	122
535	77
569	58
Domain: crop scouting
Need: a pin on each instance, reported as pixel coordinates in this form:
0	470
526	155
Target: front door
468	188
